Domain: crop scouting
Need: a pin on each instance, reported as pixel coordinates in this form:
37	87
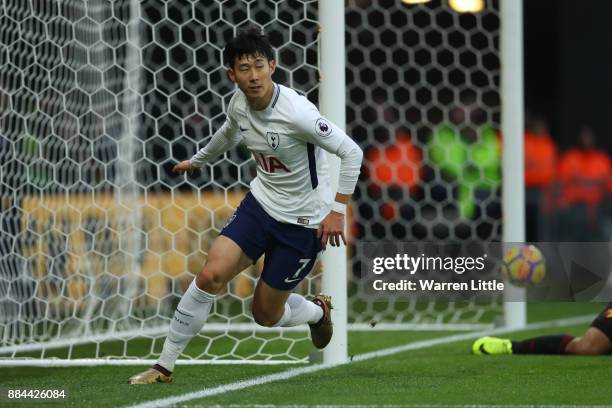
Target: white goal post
333	106
513	112
98	240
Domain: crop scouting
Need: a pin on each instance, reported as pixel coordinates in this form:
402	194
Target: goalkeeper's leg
596	340
225	261
554	344
593	342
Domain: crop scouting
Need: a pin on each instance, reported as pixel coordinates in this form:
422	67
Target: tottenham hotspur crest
273	139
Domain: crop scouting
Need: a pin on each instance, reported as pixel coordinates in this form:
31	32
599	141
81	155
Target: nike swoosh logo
183	313
482	349
287	280
242	130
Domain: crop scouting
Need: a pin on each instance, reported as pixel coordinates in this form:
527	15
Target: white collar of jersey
275	96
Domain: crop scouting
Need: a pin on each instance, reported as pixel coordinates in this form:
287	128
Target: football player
290	213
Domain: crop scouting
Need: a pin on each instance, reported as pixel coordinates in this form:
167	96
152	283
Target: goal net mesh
98	100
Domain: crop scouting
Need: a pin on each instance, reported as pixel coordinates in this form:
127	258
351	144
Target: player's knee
210	280
265	322
264	317
582	346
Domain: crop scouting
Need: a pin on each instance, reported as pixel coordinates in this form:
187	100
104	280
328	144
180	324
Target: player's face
253	75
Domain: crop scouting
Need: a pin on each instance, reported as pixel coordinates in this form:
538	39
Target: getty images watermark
426	265
483	270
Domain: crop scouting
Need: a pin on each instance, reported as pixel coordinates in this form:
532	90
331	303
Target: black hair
249	41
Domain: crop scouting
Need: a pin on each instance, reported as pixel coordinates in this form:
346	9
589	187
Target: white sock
189	318
298	311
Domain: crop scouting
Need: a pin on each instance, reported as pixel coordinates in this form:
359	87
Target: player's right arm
224	139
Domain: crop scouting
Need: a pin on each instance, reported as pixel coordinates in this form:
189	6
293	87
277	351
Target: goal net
98	100
423	96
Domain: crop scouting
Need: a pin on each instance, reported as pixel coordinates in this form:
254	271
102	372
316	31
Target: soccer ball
523	265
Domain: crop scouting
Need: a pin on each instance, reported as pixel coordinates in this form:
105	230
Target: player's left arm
322	132
332	226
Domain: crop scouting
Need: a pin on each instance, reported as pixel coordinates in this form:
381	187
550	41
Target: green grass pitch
443	375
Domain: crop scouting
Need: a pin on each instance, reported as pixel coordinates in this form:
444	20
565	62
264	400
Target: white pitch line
97	362
405	406
287	374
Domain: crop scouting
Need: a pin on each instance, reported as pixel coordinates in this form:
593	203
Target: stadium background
402	83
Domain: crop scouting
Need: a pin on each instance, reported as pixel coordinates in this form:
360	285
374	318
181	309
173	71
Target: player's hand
183	167
331	229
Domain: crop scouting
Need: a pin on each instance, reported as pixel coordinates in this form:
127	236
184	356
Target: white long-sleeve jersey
287	140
